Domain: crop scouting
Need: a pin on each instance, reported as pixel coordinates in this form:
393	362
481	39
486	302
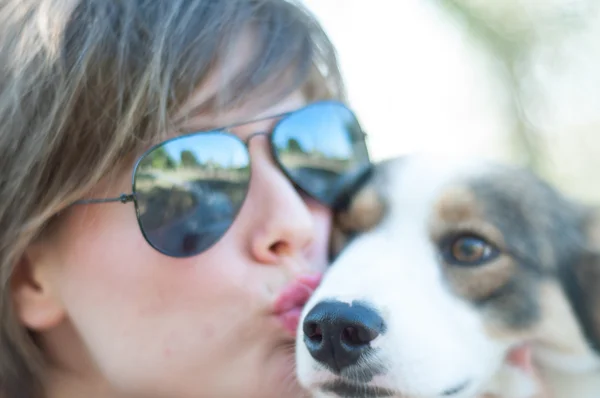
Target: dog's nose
337	334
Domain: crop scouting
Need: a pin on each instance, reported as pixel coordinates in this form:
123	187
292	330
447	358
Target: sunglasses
188	190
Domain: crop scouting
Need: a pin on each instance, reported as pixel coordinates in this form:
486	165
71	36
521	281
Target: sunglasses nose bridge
271	146
272	149
255	134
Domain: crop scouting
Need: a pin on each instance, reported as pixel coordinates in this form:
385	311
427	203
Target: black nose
337	334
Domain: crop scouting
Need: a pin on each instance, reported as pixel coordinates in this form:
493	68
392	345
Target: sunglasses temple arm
124	198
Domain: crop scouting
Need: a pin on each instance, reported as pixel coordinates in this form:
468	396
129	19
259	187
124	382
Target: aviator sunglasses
188	190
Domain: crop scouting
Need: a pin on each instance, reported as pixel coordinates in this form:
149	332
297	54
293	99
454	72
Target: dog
441	266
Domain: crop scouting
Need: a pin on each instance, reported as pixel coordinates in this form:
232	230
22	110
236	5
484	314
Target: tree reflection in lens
189	190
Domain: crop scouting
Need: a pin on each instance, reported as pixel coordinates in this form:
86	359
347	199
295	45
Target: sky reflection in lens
190	189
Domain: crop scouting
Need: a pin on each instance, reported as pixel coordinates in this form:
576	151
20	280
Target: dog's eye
469	250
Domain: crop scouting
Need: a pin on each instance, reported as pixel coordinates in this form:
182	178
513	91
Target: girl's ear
33	291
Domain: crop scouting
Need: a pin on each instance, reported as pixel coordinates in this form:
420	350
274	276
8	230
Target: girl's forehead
194	114
243	118
222	74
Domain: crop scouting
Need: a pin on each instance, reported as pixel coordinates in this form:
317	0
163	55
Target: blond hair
84	84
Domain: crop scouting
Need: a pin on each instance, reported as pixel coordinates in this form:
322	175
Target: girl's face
115	312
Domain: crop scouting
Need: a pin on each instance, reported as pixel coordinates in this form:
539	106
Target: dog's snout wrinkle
338	334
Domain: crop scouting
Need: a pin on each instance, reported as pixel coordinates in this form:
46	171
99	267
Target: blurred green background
514	80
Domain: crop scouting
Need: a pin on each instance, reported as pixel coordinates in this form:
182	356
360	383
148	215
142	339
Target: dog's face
454	261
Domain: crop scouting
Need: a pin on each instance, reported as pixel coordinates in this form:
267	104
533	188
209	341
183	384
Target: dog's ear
588	272
584	287
592	228
361	212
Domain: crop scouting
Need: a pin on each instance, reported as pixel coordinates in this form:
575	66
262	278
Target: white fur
511	382
434	340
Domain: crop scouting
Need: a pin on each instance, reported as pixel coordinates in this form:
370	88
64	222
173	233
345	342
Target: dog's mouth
345	389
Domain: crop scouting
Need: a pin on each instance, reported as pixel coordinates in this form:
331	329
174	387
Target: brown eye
469	250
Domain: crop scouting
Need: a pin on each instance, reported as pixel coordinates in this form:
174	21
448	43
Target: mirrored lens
322	148
189	190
